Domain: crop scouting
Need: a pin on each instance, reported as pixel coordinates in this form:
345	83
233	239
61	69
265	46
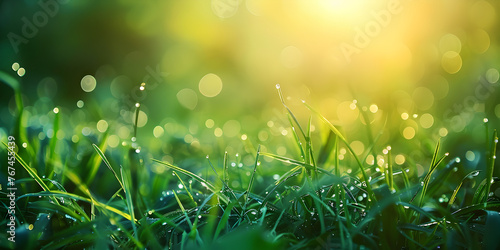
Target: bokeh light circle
187	98
210	85
231	128
423	98
88	83
451	62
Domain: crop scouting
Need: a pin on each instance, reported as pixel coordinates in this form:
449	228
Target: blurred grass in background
430	68
203	76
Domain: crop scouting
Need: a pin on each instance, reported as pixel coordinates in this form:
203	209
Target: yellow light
187	98
358	147
409	133
218	132
479	40
231	128
450	42
400	159
158	131
451	62
102	126
209	123
88	83
423	98
113	141
426	120
210	85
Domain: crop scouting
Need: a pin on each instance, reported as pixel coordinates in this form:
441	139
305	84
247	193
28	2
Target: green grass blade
337	132
50	162
130	203
182	209
105	160
434	164
491	230
225	172
185	188
289	111
287	160
136	120
435	155
252	178
286	175
95	161
194	176
31	171
455	192
224	219
77	197
298	143
492	205
11	81
491	166
480	192
390	175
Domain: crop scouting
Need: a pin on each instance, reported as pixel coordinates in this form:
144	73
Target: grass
315	203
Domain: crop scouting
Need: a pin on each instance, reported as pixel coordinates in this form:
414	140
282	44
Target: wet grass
314	204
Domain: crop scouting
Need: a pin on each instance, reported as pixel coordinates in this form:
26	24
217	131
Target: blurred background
204	74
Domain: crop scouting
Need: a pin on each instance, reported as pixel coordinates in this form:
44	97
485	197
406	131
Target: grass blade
105	160
31	171
337	132
287	160
95	161
224	219
185	188
491	166
192	175
455	192
55	193
128	198
249	188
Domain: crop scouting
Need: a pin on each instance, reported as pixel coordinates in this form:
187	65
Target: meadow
249	124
